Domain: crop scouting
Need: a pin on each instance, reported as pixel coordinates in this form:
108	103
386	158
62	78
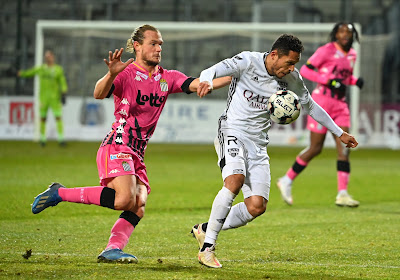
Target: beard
152	62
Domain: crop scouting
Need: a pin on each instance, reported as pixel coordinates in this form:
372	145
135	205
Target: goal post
195	46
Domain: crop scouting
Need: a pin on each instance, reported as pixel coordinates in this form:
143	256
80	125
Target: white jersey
250	90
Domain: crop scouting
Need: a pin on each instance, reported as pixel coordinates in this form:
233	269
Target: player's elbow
97	94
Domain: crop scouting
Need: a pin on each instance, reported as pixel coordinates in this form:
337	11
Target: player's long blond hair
138	35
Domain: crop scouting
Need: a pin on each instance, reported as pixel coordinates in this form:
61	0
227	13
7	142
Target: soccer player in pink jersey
331	66
140	88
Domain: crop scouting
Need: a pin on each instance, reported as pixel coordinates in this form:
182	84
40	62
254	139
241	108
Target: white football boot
344	199
285	187
207	258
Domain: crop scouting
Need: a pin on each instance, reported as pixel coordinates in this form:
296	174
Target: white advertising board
182	121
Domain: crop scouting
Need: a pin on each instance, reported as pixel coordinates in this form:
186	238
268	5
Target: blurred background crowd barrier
82	32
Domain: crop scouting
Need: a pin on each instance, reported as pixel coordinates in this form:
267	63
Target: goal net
190	47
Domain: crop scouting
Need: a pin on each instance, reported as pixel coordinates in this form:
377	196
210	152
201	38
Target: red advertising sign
21	113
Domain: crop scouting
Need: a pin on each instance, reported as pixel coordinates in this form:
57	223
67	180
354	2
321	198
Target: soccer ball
284	107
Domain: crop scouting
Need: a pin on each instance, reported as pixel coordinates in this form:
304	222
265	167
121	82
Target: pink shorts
117	160
338	110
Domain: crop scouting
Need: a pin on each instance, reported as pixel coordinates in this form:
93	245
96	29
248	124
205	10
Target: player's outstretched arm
115	66
349	140
204	88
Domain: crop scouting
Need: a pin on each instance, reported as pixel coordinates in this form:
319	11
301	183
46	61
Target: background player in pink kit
140	88
331	66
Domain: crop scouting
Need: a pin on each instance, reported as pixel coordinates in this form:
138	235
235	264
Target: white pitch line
237	261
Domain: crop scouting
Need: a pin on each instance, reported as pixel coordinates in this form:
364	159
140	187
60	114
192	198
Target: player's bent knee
256	211
124	203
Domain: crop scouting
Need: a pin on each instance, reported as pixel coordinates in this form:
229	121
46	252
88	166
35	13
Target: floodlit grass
313	239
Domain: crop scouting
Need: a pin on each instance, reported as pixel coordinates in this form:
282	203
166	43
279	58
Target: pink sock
291	173
301	162
87	195
343	180
120	233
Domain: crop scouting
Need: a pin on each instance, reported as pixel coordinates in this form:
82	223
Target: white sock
286	180
237	217
342	192
220	209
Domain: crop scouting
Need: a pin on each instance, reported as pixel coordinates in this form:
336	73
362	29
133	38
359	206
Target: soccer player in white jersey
242	139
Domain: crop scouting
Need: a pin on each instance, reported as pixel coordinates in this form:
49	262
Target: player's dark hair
286	43
138	36
332	35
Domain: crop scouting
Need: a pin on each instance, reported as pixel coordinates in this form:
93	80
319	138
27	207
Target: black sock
204	227
206	245
107	197
131	217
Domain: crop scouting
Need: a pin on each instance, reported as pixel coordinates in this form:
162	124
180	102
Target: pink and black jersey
330	63
139	99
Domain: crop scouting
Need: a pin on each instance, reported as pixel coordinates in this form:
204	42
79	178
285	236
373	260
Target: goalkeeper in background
53	87
331	66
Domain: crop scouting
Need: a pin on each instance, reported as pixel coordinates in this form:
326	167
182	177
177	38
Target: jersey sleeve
318	58
62	81
180	82
296	84
118	84
228	67
321	116
311	71
28	73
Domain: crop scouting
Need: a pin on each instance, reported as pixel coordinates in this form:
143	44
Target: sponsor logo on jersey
157	77
154	99
120	129
256	100
113	171
233	152
137	78
118	140
124	101
164	85
123	112
255	79
120	156
126	166
238	171
144	76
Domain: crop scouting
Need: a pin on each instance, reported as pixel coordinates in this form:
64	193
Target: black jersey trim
186	84
309	65
111	91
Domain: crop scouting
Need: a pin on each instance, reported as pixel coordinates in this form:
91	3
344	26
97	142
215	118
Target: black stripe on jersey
221	163
150	131
231	92
186	84
111	91
110	140
130	137
138	131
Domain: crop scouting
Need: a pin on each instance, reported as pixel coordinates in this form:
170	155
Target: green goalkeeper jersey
52	80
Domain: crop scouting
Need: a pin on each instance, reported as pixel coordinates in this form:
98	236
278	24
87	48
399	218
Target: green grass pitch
313	239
